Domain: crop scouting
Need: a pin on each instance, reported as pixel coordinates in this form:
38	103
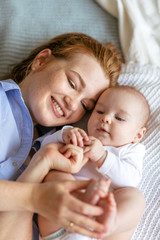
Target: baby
112	150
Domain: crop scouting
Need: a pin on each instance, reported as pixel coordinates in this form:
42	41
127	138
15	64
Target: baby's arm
124	166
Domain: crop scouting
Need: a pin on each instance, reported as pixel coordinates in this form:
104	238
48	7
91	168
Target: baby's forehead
122	99
118	92
120	89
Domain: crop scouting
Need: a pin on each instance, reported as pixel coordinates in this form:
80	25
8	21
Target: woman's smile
57	109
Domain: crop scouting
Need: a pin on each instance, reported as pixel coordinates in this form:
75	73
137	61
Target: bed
26	24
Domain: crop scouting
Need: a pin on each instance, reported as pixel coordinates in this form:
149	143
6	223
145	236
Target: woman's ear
139	135
41	58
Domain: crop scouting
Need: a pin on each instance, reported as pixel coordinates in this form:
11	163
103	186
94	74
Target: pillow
26	24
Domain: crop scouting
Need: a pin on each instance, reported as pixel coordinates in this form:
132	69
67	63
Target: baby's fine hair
65	46
144	102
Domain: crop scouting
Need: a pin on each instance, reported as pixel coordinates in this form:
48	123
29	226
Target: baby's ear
139	135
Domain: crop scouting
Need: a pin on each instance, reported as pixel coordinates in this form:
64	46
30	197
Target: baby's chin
104	142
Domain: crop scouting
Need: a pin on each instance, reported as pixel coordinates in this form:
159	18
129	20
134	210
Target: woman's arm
16	222
53	201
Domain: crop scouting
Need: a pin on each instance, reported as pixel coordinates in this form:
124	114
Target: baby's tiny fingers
84	135
80	139
73	138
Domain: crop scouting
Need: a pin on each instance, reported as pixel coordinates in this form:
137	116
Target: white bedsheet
139	28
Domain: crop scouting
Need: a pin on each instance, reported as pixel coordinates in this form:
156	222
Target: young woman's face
60	91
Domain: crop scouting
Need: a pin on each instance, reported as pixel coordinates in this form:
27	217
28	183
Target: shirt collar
9	84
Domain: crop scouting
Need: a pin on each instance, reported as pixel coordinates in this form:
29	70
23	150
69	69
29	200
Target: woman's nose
72	103
106	119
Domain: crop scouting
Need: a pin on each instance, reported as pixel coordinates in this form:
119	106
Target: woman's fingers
84	221
78	212
82	224
84	208
76	185
67	153
73	227
66	209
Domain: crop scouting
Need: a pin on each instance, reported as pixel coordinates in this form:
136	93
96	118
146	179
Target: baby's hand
94	150
75	155
75	136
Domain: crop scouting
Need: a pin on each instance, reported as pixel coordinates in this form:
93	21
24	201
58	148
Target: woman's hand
49	157
54	201
75	155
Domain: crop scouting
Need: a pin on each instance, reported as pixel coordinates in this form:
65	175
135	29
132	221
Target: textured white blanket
147	80
139	28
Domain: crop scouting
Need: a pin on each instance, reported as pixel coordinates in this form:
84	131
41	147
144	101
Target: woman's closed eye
85	107
71	83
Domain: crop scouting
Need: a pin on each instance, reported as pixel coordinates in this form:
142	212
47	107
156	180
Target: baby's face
116	119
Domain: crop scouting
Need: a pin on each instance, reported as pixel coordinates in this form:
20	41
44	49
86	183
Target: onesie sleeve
55	137
124	166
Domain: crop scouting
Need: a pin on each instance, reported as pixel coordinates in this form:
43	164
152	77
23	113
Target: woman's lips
58	111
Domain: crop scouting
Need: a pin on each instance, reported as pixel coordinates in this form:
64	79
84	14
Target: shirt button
14	164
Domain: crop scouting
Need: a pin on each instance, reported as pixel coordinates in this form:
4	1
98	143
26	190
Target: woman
56	84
